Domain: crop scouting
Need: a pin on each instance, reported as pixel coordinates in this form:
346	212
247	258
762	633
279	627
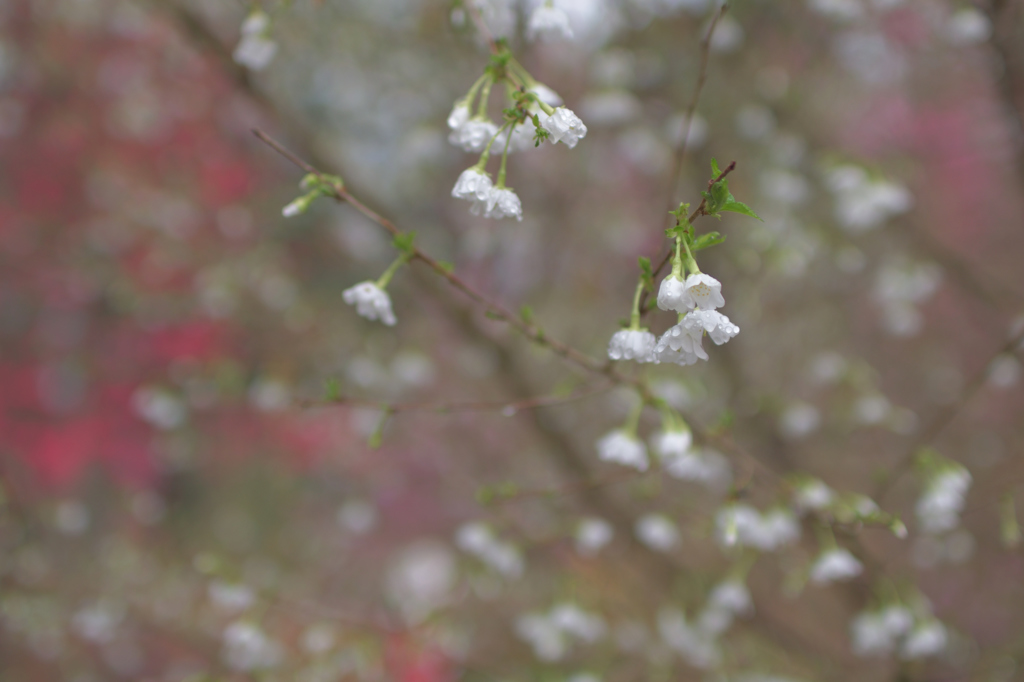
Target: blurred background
179	501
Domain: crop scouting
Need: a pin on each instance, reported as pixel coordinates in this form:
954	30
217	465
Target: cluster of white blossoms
674	447
744	526
247	648
371	301
938	509
538	116
550	634
478	540
256	49
862	202
697	641
696	299
900	288
895	628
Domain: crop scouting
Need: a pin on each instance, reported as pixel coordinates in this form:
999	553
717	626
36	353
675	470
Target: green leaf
332	390
404	242
739	207
446	266
707	240
646	273
526	313
714	169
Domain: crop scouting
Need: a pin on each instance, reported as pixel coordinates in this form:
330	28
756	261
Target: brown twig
702	76
944	418
506	407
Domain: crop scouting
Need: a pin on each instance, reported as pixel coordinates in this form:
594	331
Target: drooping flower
705	291
474	135
925	640
813	495
833	565
719	327
623	448
592	534
256	49
460	114
672	295
672	444
657	532
681	344
632	344
473	185
565	127
938	510
732	596
548	22
371	302
503	203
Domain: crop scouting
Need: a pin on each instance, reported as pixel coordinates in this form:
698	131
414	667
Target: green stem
677	262
385	279
691	262
633	420
485	96
482	163
634	320
504	155
471	95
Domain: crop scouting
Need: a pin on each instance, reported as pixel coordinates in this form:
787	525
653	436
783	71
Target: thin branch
493	308
944	418
506	407
702	76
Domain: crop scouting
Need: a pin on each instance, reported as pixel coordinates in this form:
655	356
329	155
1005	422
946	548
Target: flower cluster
743	525
256	49
371	302
536	115
548	22
696	299
864	203
697	641
551	633
479	540
938	510
880	632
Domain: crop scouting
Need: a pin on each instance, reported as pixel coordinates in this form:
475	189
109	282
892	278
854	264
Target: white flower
672	295
681	344
705	291
967	26
592	534
927	639
938	510
741	524
294	208
565	127
545	637
255	52
546	95
574	621
632	344
459	115
672	444
474	135
813	495
371	302
835	564
706	467
731	596
501	203
473	185
696	645
623	448
230	597
479	540
548	22
657	532
247	648
717	325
